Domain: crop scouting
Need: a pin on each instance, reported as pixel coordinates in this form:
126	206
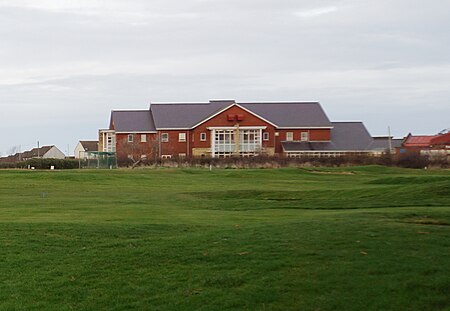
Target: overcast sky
65	64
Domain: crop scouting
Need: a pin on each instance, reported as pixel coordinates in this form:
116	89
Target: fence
97	159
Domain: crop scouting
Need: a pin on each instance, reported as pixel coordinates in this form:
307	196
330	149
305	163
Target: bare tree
13	150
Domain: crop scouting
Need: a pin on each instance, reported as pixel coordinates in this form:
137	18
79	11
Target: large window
225	142
249	140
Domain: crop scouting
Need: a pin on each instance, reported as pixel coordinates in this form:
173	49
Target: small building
347	138
84	147
429	145
44	152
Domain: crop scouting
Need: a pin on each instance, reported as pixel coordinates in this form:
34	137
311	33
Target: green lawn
359	238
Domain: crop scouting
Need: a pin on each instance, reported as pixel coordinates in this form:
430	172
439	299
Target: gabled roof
184	115
418	141
281	114
442	139
345	136
89	145
35	152
291	114
132	121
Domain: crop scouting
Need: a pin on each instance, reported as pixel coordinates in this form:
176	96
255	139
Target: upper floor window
130	138
289	136
181	137
266	136
143	138
304	136
203	136
164	137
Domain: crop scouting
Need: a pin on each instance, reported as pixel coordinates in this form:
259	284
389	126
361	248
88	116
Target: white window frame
143	138
304	136
182	137
203	136
266	136
164	137
130	138
289	136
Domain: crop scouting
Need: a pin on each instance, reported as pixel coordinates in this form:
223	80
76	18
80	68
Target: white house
85	146
45	152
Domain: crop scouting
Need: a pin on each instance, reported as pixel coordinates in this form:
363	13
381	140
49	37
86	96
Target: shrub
47	163
413	160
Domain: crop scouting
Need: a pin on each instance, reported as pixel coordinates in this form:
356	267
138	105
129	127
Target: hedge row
407	161
43	164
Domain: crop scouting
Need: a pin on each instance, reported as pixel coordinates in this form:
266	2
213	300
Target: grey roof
35	152
132	121
89	145
185	115
292	114
382	143
345	136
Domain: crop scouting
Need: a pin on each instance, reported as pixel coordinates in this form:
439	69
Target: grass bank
372	238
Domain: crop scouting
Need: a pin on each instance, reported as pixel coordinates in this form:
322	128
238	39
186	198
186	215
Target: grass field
360	238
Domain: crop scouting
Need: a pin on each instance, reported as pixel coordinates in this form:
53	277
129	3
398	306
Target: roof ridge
280	102
346	121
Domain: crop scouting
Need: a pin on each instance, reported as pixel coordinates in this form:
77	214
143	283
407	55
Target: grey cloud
67	63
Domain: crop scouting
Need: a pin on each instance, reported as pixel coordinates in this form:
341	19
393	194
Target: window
166	156
289	136
266	136
182	155
304	136
143	138
225	142
182	137
130	138
203	136
164	137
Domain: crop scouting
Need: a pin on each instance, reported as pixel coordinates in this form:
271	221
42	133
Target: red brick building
226	128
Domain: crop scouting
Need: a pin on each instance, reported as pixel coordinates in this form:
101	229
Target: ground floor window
225	143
